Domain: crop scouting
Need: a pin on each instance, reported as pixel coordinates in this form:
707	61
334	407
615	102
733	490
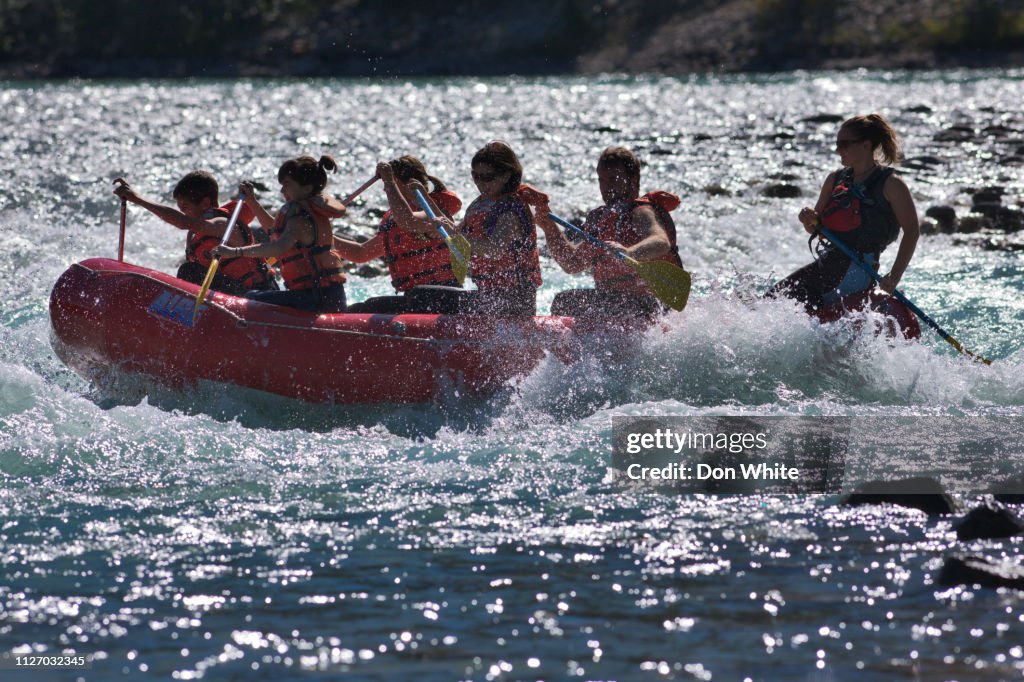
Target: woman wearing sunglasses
865	205
500	228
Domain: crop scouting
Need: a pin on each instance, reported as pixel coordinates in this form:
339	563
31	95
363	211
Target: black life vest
859	214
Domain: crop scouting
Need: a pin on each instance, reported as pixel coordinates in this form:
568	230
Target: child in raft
409	242
301	239
198	212
501	231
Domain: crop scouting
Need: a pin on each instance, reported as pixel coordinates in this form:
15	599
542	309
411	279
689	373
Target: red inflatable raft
111	315
898	318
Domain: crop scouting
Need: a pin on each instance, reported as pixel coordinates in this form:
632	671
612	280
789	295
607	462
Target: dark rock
781	191
784	177
990	211
607	129
987	522
978	570
702	137
972	222
717	191
823	118
998	131
1020	151
921	492
923	162
657	151
955	134
920	109
1010	491
1011	161
987	196
367	270
929	227
945	216
1008	219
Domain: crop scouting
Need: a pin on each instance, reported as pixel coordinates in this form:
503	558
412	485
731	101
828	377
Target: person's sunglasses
843	144
484	177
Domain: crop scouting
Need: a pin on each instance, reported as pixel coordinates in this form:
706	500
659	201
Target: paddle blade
458	247
207	281
668	282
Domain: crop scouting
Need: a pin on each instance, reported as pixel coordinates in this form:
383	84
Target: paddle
667	281
362	188
124	213
458	246
899	295
212	270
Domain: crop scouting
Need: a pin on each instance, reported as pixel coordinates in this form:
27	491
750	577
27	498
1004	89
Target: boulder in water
945	217
920	492
979	570
782	191
988	522
973	222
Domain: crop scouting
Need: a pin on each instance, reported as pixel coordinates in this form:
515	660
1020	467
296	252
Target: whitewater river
227	535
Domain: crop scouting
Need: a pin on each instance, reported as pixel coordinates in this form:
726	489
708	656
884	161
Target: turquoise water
222	534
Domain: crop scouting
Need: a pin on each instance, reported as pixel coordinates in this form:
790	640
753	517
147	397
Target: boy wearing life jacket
408	240
639	226
198	212
300	238
865	205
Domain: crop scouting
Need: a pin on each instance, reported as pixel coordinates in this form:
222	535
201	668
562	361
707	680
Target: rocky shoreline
360	38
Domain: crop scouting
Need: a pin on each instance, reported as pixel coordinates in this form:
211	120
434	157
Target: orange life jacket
414	258
617	226
250	272
519	264
310	266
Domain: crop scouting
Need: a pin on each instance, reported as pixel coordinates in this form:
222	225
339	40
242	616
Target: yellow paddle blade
207	281
667	281
458	247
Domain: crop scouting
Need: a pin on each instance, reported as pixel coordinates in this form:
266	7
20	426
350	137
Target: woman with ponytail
866	206
301	238
409	242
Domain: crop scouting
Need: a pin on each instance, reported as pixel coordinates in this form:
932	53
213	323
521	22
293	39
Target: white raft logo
175	307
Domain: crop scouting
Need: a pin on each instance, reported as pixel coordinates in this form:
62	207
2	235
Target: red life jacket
860	213
310	266
519	264
414	258
250	272
617	226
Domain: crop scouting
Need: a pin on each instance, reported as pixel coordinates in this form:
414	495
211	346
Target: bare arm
172	216
357	252
248	192
571	258
898	196
810	217
654	242
297	229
